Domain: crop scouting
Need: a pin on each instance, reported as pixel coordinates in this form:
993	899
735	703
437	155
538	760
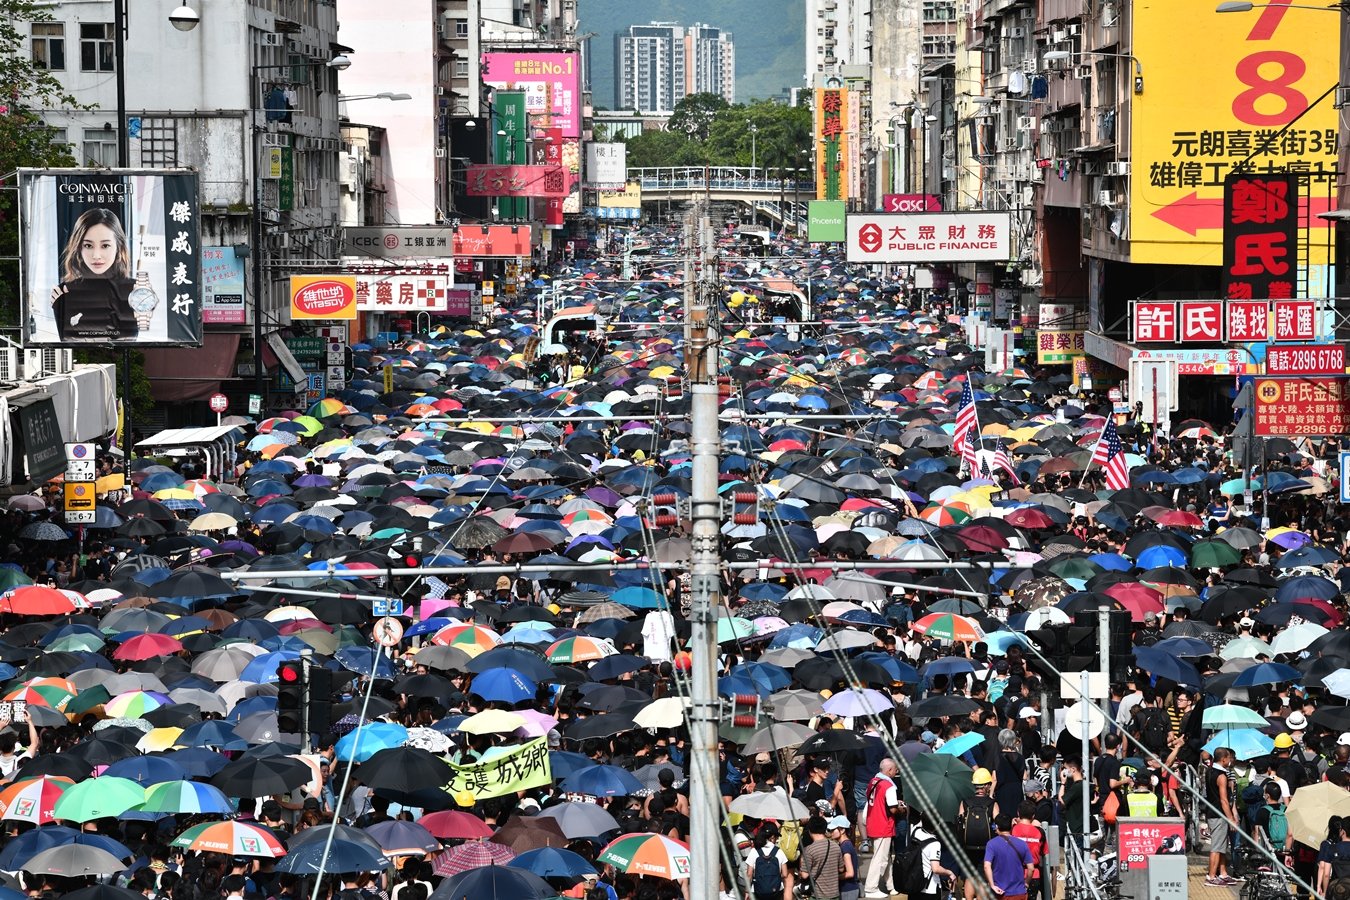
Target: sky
769	34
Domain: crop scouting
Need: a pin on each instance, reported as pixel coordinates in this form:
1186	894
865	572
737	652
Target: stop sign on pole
219	403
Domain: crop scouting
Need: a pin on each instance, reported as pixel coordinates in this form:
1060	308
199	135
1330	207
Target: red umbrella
1137	598
982	538
1181	518
36	600
1029	518
452	823
295	625
148	646
472	855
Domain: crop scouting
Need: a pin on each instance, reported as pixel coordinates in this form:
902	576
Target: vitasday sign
323	297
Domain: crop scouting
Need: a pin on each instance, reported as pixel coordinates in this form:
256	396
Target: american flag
968	456
1004	462
1110	455
984	469
965	423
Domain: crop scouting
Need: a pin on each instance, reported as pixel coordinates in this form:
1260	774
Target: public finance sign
929	237
1195	125
1307	405
110	256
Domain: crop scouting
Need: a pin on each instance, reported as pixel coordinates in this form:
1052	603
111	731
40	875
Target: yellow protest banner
523	767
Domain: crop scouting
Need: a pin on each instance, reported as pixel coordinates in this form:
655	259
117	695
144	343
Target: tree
142	400
695	113
25	139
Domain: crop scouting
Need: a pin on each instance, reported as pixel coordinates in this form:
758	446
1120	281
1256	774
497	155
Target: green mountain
770	38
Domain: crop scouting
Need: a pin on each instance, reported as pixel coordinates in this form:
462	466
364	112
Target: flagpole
1092	457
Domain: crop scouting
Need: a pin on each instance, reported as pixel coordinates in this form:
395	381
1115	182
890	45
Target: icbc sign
323	297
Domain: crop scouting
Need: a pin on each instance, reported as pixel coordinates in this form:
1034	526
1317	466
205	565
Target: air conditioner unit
1029	65
32	364
440	30
1008	144
1082	72
1059	37
1017	32
1106	198
295	46
9	365
440	90
1026	123
1028	196
1118	168
272	40
1342	97
1074	30
440	153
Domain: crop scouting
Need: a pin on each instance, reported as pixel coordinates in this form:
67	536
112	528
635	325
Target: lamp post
753	130
1054	55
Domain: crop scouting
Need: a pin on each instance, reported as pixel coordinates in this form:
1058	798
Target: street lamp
184	18
753	130
1138	67
384	95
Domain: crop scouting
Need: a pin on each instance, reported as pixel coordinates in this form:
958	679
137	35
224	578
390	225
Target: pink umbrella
472	855
431	606
539	723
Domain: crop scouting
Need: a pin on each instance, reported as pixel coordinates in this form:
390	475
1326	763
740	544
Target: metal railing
724	178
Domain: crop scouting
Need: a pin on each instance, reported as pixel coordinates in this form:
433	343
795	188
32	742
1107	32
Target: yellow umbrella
480	427
212	522
110	483
492	721
1308	812
175	494
159	739
662	371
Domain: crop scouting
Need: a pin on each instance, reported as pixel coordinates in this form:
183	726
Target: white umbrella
770	805
668	712
1297	637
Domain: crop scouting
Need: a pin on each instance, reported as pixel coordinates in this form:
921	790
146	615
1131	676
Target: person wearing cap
838	826
1245	626
1141	799
975	820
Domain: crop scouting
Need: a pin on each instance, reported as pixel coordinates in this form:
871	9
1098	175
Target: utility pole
700	360
1104	654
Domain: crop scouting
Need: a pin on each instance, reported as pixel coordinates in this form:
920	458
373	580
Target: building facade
658	65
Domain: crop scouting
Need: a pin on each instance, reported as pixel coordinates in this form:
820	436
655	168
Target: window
461	28
49	46
159	143
939	45
939	11
96	48
461	68
100	147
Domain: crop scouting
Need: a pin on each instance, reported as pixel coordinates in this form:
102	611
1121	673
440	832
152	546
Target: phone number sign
1316	405
1142	838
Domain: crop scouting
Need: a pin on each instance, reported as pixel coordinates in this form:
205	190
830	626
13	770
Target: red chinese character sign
1260	225
1202	320
1295	320
1155	322
1248	320
1308	405
401	293
515	181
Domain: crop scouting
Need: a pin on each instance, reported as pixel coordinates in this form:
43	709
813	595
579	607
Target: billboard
1307	359
222	287
512	130
929	237
1260	230
1194	125
492	240
628	198
515	181
551	82
323	297
110	256
1303	405
911	203
606	166
831	136
401	293
1059	347
825	220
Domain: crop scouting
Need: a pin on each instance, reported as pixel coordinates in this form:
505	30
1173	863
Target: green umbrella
98	798
1230	716
1214	554
11	578
350	636
1236	486
730	628
76	643
1076	568
1246	648
88	699
937	782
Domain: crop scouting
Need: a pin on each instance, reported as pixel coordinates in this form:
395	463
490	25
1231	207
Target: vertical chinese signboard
510	134
1260	230
1308	405
1193	126
832	164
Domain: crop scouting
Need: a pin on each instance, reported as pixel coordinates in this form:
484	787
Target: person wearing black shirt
91	301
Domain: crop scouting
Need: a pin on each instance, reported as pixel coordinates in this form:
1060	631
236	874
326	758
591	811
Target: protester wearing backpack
767	871
1271	823
975	826
921	862
1333	862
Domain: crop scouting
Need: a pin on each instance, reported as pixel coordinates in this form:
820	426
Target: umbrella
937	783
521	834
400	838
452	823
602	781
404	771
769	805
336	856
1247	743
1230	716
186	797
471	855
648	854
74	860
552	862
581	819
495	882
1309	811
97	798
262	776
234	838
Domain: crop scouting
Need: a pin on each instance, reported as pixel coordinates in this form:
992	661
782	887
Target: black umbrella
493	882
832	741
606	725
141	526
99	752
402	771
429	685
941	706
340	611
194	582
57	765
262	776
531	665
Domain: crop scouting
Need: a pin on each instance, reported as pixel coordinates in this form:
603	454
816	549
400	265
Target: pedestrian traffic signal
320	699
290	695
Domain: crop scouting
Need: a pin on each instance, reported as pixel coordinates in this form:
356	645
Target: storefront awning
178	374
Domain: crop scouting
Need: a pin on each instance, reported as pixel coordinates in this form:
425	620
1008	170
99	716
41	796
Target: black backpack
910	863
978	824
1153	730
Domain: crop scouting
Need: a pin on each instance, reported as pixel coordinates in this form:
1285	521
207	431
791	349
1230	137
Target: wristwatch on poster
143	300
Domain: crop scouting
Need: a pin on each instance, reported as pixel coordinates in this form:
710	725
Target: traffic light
290	696
320	699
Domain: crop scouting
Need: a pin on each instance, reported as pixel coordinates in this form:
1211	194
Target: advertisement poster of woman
110	257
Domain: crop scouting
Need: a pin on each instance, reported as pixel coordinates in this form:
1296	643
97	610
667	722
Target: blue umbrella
364	742
616	666
273	513
1111	562
264	488
764	590
212	733
148	770
947	665
1305	586
638	598
365	661
602	781
801	637
564	763
1307	555
254	630
201	762
1247	743
263	669
553	862
1165	665
776	677
901	671
1267	673
959	745
1161	555
731	685
340	855
1185	646
505	685
245	708
19	850
429	626
1112	521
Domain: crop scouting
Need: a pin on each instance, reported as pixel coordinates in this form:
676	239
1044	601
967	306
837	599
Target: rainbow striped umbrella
648	854
328	407
32	800
938	514
579	648
472	639
233	838
186	797
42	695
135	704
949	627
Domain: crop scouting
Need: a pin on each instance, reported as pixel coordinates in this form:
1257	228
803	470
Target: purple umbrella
604	496
311	481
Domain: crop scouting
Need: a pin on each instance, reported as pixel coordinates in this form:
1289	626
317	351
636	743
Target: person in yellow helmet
975	827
